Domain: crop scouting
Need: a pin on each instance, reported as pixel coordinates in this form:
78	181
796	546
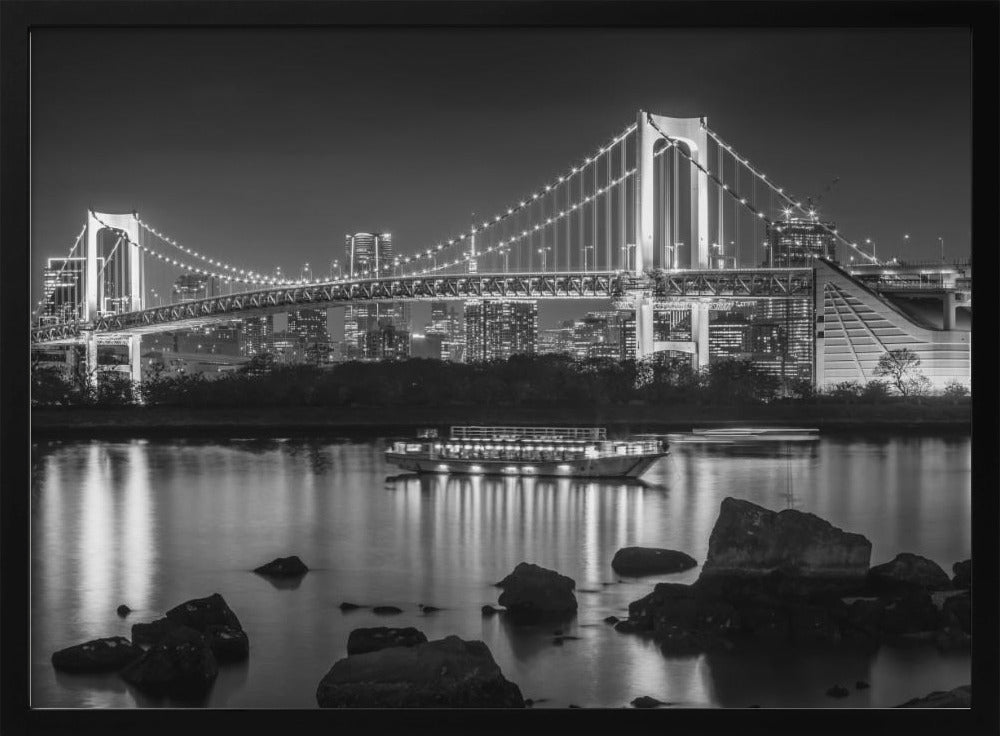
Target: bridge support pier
135	358
645	339
950	309
90	356
699	333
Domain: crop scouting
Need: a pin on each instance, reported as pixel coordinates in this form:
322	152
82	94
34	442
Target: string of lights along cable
582	220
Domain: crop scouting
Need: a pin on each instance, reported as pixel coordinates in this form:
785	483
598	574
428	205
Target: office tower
368	253
447	330
362	318
63	289
257	333
190	287
386	342
498	329
797	241
775	335
308	326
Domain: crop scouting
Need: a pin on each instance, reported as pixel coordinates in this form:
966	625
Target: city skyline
317	162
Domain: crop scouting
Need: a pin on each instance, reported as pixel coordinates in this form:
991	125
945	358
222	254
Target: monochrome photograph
496	366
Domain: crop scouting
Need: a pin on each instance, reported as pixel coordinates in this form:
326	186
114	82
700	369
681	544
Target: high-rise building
386	342
257	332
447	330
368	252
361	318
775	335
308	326
796	241
63	289
498	329
190	287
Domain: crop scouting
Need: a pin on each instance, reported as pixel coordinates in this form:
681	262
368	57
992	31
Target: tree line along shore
662	393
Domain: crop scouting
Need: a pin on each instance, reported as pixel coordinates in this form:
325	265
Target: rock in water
446	673
960	697
99	655
861	685
152	632
749	540
123	610
345	606
644	701
611	620
283	567
180	665
362	641
216	621
650	561
909	570
963	574
838	691
200	613
227	644
386	610
533	593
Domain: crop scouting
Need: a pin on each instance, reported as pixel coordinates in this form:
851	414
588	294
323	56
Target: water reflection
152	524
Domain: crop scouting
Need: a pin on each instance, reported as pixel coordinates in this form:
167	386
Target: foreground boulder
152	632
228	644
650	561
532	593
181	665
912	570
200	613
960	697
963	574
99	655
361	641
446	673
283	567
749	540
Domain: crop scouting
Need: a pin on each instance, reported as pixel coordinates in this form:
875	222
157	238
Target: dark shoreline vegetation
626	396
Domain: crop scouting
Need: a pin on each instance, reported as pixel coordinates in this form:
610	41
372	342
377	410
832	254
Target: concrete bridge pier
90	356
135	358
950	308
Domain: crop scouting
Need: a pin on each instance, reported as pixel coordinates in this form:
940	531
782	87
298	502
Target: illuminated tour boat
584	452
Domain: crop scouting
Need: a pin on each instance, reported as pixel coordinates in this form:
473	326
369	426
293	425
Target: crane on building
812	202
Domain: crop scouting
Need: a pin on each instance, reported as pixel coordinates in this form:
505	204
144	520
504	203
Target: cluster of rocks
792	577
400	668
183	655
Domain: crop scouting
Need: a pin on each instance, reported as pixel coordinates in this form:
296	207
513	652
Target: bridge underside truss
745	283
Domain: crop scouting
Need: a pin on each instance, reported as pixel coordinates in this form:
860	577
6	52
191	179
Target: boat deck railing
593	434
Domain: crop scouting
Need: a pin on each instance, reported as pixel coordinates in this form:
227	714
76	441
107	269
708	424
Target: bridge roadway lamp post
585	249
543	252
871	242
941	241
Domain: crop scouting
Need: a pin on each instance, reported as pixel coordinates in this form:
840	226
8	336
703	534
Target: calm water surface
154	523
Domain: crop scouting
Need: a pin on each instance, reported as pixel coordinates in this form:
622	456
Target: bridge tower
650	130
129	224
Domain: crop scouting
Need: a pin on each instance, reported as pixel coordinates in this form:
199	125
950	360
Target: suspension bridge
665	215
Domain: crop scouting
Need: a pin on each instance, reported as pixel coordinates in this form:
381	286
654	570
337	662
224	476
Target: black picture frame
18	18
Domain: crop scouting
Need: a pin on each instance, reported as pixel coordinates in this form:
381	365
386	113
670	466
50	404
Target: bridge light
535	196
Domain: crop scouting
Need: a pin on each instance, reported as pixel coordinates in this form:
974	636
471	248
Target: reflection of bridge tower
132	257
651	130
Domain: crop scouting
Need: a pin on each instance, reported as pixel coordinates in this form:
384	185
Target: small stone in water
861	685
123	610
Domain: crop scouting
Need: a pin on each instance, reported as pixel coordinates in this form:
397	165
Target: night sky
264	147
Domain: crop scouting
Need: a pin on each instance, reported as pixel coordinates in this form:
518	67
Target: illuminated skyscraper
361	318
63	289
257	332
498	329
368	252
797	241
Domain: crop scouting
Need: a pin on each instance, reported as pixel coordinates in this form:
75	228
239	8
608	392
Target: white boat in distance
731	435
583	452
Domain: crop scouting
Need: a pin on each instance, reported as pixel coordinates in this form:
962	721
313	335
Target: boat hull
618	466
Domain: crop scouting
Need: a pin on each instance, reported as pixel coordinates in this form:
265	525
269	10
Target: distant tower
367	252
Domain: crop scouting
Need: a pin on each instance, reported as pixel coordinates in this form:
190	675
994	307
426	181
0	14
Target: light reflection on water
152	524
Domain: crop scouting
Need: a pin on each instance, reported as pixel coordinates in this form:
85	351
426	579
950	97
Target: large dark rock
361	641
533	593
960	697
154	631
957	610
963	574
446	673
645	701
909	570
749	540
387	610
650	561
181	665
283	567
200	613
227	644
99	655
